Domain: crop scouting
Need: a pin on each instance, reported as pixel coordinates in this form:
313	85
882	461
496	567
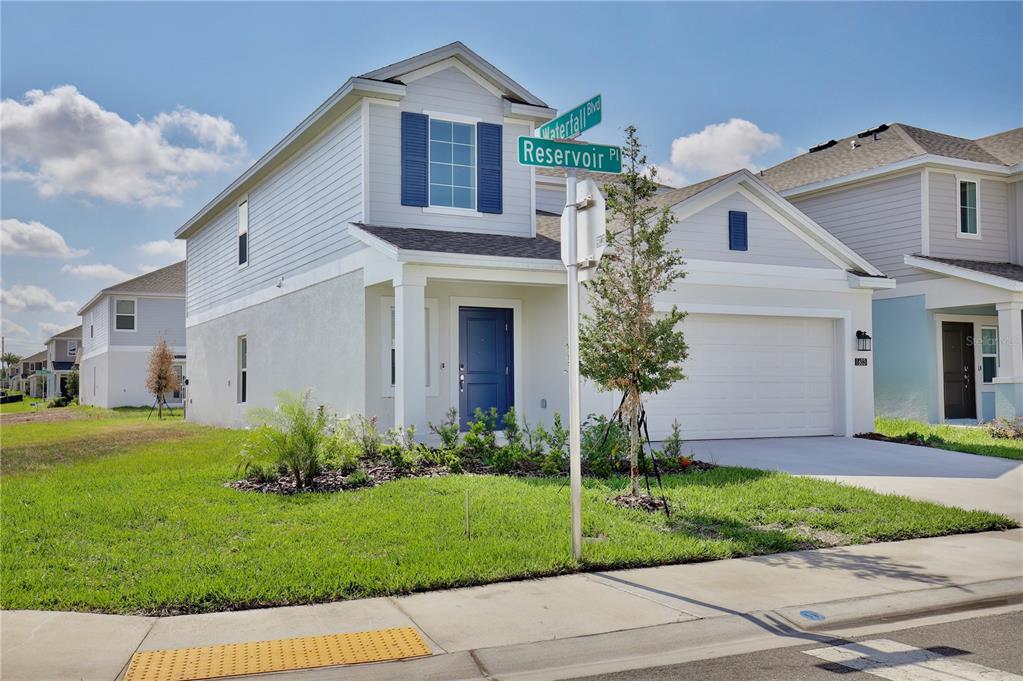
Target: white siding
550	200
993	201
298	219
704	236
100	320
879	220
449	91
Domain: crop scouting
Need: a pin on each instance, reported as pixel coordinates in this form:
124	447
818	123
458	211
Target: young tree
10	361
71	387
161	378
623	345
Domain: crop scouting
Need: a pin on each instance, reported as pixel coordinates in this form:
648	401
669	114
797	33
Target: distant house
942	215
62	351
31	377
121	325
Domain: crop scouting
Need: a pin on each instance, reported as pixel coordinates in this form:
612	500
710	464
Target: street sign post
600	158
573	122
590	228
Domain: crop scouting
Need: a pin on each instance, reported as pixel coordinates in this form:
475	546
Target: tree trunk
159	408
634	445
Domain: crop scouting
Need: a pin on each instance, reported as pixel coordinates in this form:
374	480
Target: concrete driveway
952	478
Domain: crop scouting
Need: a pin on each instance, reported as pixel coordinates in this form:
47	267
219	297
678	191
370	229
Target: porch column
1010	342
410	353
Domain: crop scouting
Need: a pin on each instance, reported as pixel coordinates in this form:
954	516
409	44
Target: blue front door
485	367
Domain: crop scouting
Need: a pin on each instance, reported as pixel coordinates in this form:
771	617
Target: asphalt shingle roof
896	142
1006	270
75	332
588	175
541	247
168	280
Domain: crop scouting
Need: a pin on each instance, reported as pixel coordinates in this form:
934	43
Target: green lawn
147	526
25	405
973	440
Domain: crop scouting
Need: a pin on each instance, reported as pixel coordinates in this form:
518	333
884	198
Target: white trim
959	179
451	63
909	163
980	387
925	212
242	209
453	117
135	314
175	349
310	129
997	354
67	347
962	273
433	339
844	349
239	369
471	121
450	210
137	294
519	357
364	199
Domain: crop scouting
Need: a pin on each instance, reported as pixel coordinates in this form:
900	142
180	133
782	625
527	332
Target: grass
148	527
24	406
972	440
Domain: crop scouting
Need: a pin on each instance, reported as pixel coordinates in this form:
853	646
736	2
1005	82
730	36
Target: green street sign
573	122
599	158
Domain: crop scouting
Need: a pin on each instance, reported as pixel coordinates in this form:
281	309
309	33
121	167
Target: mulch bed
334	481
641	502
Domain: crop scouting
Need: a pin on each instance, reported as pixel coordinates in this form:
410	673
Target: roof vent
823	145
873	132
853	144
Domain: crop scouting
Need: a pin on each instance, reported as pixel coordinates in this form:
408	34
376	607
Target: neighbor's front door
485	369
958	371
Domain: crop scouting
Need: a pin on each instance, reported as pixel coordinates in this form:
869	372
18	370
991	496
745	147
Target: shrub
403	452
672	448
59	401
602	442
342	450
367	435
534	440
480	442
359	478
293	437
1007	429
447	430
556	460
71	387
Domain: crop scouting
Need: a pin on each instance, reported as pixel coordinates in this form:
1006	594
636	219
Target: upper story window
243	233
452	164
124	314
72	348
91	335
969	218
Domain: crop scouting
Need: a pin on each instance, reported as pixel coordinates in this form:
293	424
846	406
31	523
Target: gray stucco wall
905	359
312	338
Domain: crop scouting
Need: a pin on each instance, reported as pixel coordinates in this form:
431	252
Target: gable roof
1001	274
38	357
166	281
887	144
74	332
540	247
457	50
559	173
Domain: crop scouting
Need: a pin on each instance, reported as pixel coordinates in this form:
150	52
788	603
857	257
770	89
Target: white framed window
243	369
94	381
452	164
180	371
72	347
125	314
989	359
91	335
968	207
389	367
243	233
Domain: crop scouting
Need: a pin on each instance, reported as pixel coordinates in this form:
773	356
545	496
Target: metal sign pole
574	457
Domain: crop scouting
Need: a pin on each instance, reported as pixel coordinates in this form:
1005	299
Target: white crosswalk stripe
900	662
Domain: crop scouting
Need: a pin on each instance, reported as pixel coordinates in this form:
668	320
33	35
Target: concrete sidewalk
511	626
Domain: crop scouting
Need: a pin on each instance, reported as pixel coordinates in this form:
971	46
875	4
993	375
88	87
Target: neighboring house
31	376
550	187
62	350
942	215
121	325
388	254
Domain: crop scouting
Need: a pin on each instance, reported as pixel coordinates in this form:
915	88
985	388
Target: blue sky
182	96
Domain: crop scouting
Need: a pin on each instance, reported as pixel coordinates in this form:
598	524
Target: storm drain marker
261	657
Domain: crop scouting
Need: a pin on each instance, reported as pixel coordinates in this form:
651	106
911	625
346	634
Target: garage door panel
751	376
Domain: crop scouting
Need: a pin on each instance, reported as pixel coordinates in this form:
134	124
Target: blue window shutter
489	192
738	234
415	177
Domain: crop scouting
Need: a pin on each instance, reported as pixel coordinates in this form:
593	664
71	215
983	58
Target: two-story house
121	325
941	214
32	376
388	253
62	352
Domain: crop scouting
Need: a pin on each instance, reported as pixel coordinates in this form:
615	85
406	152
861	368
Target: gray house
62	352
942	215
32	374
121	325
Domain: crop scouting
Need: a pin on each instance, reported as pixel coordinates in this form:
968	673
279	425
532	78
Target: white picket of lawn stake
570	236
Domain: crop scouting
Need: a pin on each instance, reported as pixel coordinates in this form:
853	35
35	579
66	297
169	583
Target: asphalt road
938	652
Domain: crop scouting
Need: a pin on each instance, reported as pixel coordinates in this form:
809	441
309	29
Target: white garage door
751	377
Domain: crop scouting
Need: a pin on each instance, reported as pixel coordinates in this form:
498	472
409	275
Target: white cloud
667	175
171	247
95	271
31	297
33	238
50	329
9	328
65	143
722	147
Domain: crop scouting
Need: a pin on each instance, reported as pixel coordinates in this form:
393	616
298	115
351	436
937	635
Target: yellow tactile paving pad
260	657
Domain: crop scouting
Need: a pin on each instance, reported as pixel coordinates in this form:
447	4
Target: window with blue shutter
415	159
490	194
738	235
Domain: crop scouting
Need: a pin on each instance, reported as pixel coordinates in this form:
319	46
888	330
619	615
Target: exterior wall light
864	342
